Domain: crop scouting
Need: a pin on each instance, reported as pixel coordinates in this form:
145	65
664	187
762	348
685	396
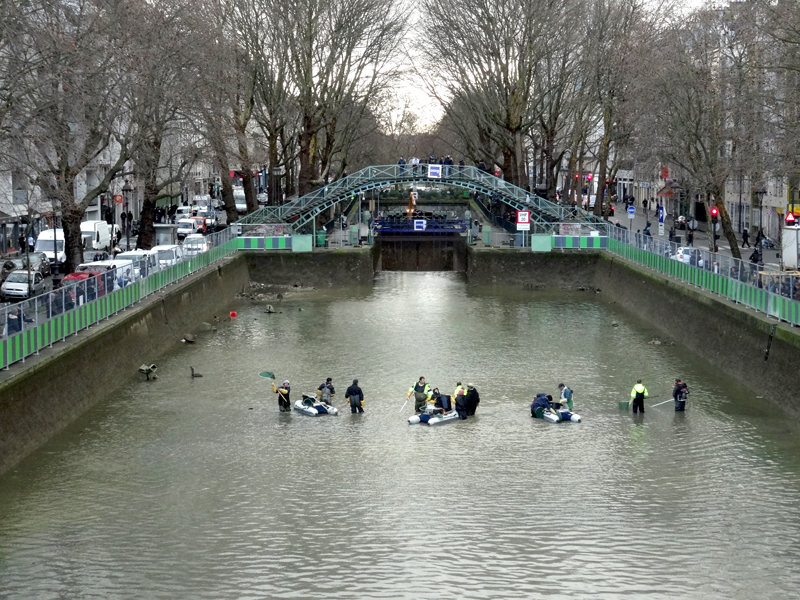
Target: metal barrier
754	285
39	322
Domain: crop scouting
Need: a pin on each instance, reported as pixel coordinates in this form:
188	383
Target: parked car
94	255
144	262
690	256
210	215
202	224
16	285
187	227
39	262
84	286
195	244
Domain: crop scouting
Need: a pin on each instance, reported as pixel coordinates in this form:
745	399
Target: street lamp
126	194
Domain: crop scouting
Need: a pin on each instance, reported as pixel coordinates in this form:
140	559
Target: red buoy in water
233	314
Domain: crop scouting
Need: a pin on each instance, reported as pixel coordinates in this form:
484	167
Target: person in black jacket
356	397
680	393
473	399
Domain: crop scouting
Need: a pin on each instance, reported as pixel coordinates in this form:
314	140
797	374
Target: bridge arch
301	211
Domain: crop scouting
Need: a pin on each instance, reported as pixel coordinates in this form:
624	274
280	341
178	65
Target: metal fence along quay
768	290
39	322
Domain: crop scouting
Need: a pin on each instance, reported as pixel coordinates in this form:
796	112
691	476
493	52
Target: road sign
435	171
631	211
790	220
118	198
661	228
661	212
692	224
769	211
523	220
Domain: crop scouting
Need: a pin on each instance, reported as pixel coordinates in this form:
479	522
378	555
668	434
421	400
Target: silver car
16	285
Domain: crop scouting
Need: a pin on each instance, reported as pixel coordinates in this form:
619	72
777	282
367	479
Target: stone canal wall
729	336
312	269
46	393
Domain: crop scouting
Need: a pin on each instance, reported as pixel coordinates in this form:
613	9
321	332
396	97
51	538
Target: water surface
200	488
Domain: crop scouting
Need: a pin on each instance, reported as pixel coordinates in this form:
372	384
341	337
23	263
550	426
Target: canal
200	488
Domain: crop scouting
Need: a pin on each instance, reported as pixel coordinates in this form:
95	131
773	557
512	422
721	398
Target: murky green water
177	489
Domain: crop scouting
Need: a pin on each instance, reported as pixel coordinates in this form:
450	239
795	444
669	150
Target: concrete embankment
45	394
732	338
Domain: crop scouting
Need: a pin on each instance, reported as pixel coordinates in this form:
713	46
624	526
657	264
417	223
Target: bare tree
690	106
339	54
72	113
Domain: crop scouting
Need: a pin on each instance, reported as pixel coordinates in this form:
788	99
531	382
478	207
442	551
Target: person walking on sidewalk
745	239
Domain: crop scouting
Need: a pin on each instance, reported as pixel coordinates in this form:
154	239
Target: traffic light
577	176
589	177
714	213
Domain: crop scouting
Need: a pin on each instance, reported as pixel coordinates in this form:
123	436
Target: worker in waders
422	393
566	396
680	393
325	391
355	396
638	394
473	400
283	396
460	396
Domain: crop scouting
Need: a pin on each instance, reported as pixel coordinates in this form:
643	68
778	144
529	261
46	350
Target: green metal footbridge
301	211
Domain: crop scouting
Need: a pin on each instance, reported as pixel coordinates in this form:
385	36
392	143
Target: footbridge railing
302	210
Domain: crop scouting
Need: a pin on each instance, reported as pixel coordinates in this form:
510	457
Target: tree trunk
727	226
250	197
602	159
71	216
306	140
147	230
273	181
551	168
227	190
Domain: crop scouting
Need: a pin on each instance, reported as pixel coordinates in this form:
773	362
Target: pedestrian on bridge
402	164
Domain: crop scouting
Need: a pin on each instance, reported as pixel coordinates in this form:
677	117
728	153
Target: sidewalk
769	257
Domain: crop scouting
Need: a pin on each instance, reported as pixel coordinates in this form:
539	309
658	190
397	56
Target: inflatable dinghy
314	407
555	416
429	418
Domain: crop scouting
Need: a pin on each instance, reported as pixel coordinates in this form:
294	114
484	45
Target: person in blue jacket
540	402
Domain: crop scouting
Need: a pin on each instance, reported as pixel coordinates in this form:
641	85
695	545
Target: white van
183	212
116	269
95	235
239	200
187	227
167	256
142	259
195	244
51	242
